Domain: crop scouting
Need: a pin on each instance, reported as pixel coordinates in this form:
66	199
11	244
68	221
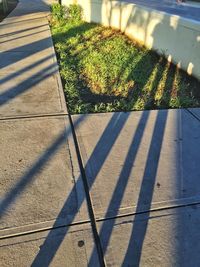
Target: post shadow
27	84
106	230
26	51
23	36
134	250
137	237
110	134
2	25
24	70
22	31
153	152
33	48
29	176
115	123
118	193
28	7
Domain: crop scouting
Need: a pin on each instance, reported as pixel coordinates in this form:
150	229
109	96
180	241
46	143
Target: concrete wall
177	38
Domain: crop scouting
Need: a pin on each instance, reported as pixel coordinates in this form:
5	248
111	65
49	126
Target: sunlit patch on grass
103	70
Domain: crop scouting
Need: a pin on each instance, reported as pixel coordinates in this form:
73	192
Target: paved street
110	189
187	10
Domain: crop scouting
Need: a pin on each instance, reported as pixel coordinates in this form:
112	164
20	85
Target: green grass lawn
103	70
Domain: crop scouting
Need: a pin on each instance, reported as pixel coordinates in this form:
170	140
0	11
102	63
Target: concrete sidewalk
43	213
142	168
143	171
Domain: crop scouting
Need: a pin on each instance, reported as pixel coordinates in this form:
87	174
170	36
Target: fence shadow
103	148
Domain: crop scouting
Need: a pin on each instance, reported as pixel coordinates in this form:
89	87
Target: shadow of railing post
111	133
137	237
28	177
118	194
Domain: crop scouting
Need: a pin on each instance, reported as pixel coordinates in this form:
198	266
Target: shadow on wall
178	40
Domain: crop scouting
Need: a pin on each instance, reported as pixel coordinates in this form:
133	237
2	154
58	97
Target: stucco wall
177	38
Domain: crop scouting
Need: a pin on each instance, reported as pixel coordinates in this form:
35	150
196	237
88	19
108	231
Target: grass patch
103	70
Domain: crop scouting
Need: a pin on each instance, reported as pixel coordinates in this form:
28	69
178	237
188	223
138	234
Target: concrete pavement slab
69	247
13	18
41	189
31	94
22	27
140	161
29	77
32	43
165	238
33	34
23	39
22	62
30	8
40	181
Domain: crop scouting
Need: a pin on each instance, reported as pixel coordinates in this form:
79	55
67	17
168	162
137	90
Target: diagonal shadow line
29	176
23	36
28	68
5	23
27	84
111	133
140	227
28	50
40	13
21	31
106	230
137	237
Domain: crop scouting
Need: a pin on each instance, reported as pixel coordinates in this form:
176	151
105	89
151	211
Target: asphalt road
185	10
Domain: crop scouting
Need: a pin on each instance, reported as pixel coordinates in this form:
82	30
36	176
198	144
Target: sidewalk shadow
134	249
30	174
147	186
24	52
110	133
109	136
28	7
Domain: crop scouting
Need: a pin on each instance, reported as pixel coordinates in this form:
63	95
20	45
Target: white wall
177	38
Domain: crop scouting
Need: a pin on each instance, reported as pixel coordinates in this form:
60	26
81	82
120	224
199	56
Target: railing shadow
134	249
23	36
26	50
22	31
30	174
27	7
27	84
111	133
136	240
109	137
